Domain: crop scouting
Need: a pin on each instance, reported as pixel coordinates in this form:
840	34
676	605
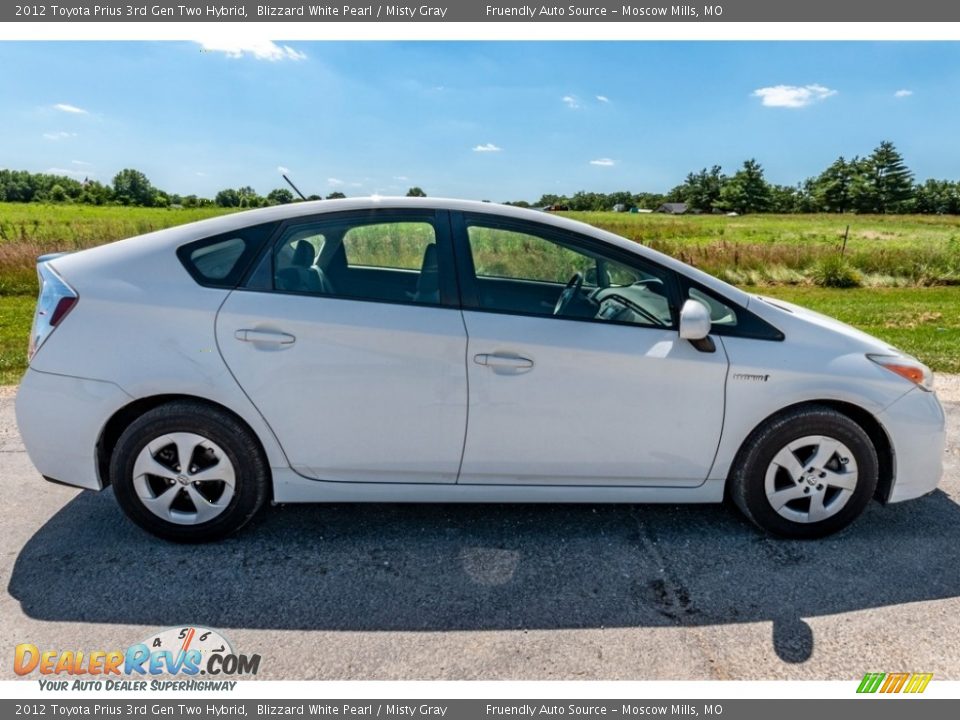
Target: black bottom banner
874	708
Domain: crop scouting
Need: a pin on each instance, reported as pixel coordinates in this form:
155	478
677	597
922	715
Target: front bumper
915	425
60	420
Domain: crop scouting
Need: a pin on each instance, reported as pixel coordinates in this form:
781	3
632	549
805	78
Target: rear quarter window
222	260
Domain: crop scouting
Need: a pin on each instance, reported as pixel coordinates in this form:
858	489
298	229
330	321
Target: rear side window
398	245
222	260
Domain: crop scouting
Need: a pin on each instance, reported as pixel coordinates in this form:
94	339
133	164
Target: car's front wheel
807	473
188	472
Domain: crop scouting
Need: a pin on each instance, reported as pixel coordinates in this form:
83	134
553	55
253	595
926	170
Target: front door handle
265	336
496	360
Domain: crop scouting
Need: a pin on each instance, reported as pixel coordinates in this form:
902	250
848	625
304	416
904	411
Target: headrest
302	254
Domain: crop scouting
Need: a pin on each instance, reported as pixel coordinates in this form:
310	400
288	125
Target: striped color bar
894	682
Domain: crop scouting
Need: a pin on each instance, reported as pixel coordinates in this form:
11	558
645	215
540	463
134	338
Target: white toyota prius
423	350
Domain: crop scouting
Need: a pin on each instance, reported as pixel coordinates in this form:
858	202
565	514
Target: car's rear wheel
188	472
807	473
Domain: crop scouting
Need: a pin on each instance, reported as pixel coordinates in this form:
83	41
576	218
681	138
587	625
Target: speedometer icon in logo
181	640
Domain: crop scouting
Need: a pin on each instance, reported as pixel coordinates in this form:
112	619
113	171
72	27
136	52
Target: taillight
55	301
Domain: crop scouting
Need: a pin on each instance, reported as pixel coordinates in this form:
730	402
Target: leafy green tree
747	191
548	199
649	201
58	194
834	186
784	199
228	197
937	197
883	182
701	191
807	201
131	187
583	201
280	196
248	197
335	195
416	192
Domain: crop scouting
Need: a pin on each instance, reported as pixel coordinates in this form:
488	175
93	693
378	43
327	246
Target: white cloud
257	49
401	177
603	98
571	102
603	162
84	163
73	109
903	93
200	173
282	170
334	182
487	148
793	96
59	135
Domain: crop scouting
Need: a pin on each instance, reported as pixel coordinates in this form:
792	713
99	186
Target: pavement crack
672	596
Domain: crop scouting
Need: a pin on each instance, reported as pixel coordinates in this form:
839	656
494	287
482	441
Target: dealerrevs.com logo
188	652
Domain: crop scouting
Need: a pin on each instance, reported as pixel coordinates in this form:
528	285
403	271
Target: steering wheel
569	293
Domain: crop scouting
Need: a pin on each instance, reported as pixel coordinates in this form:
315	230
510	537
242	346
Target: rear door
348	340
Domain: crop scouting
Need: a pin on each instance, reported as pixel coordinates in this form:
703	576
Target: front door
577	373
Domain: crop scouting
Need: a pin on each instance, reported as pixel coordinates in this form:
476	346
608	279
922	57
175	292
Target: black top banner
478	11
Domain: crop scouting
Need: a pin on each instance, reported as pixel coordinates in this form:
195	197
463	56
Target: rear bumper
916	426
60	420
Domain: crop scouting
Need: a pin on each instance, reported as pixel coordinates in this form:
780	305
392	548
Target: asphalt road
493	592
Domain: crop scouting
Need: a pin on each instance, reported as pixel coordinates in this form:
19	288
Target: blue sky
481	120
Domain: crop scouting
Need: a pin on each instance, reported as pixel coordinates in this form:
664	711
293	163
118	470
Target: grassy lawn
924	322
28	230
885	250
16	314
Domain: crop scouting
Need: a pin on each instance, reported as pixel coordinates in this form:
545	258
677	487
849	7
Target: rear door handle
514	362
265	336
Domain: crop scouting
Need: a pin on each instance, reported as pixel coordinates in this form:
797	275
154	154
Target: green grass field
909	266
30	230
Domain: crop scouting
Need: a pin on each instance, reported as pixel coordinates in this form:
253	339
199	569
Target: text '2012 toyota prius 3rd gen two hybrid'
421	350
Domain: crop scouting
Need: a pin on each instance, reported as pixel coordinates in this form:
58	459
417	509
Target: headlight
906	367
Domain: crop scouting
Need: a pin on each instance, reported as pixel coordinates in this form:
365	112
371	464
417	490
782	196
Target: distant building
620	207
673	208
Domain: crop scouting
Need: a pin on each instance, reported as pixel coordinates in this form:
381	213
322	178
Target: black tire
252	473
750	468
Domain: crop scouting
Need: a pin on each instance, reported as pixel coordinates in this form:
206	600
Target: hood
789	315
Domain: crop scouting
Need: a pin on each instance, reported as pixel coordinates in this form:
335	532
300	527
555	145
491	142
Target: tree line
880	182
132	187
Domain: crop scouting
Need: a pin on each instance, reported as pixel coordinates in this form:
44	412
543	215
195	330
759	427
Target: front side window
545	272
721	314
390	261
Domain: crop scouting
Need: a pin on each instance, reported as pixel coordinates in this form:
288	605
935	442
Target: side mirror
694	320
695	326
